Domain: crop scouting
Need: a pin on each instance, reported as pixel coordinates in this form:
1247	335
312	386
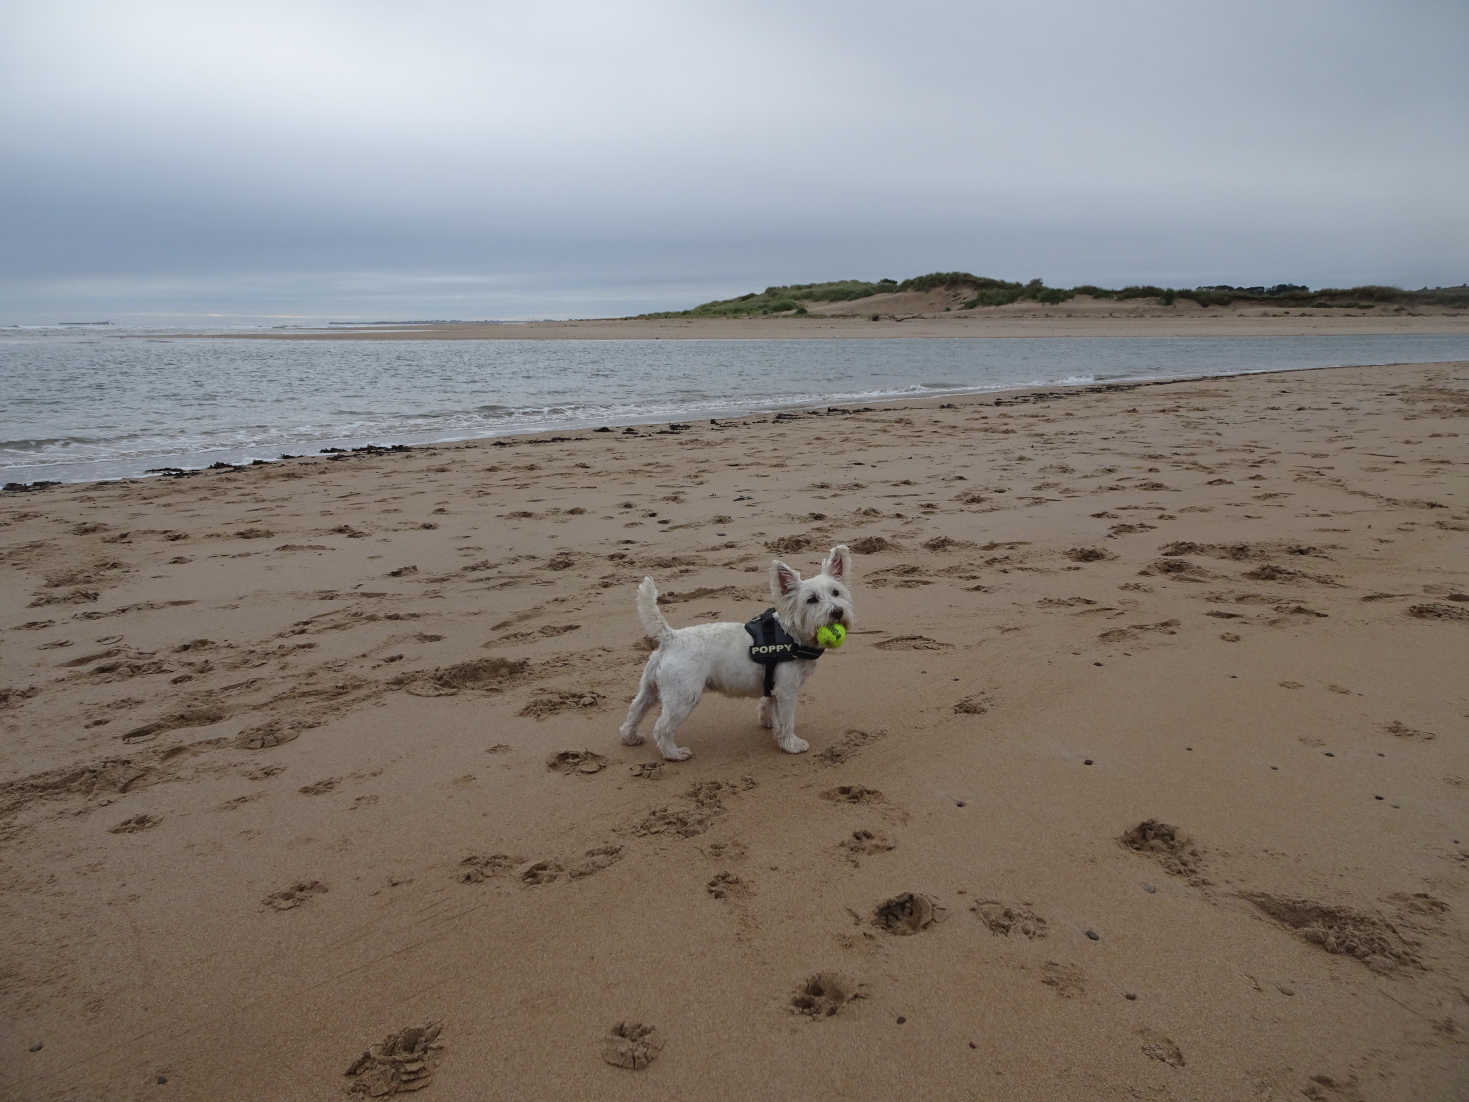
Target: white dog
721	656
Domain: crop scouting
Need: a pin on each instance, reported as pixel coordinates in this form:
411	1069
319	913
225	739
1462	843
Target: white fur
717	656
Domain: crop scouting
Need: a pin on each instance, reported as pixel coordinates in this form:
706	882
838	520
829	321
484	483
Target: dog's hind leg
647	694
676	708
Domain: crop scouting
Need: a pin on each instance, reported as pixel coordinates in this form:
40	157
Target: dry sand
1143	778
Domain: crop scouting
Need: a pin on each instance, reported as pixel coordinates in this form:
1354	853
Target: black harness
771	644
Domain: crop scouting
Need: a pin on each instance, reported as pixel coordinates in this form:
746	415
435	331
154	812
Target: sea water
89	403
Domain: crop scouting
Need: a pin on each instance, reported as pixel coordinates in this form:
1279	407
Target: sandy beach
1143	776
937	315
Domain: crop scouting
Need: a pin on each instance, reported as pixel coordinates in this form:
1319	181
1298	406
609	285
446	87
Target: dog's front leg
766	712
783	709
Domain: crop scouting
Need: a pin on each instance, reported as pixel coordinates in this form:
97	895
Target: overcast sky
441	158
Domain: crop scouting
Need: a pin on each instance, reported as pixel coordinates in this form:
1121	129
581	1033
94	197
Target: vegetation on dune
791	300
786	299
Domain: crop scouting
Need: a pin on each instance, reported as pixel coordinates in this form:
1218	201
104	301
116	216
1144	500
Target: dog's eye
836	591
811	600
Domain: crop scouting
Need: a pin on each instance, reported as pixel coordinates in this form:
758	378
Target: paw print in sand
631	1045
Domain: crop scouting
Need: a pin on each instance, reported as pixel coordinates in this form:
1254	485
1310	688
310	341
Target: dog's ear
838	563
783	580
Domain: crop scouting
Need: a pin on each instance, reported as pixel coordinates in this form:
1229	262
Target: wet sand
1095	319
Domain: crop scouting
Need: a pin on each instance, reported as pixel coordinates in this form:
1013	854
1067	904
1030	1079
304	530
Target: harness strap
771	644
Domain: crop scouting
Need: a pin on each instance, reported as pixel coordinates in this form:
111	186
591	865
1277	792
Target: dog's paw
678	753
794	745
631	738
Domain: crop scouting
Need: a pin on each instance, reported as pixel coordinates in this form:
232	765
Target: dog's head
819	601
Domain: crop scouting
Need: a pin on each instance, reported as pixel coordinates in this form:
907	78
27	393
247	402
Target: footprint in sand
631	1045
1158	1047
1122	635
1288	609
1326	1088
850	745
867	797
320	788
273	732
88	659
1170	847
477	869
1419	911
298	894
404	1061
903	575
909	913
585	762
871	545
489	675
595	860
680	822
1129	529
1340	930
852	794
976	705
1269	572
704	804
74	597
726	885
1179	569
1003	919
912	642
1067	980
550	704
194	717
540	872
1436	611
864	843
945	543
825	994
135	824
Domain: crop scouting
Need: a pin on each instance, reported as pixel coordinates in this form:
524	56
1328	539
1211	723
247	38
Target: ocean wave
40	442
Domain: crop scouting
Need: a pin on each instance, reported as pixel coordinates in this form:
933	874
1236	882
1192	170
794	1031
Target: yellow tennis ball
831	637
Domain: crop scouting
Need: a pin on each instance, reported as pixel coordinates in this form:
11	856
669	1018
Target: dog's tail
653	622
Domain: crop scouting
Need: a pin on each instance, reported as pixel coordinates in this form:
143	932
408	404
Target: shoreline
1154	697
1176	321
1001	396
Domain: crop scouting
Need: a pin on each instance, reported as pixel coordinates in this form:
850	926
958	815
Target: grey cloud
663	147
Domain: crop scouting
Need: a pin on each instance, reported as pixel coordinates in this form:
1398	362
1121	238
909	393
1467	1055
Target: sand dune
1143	775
